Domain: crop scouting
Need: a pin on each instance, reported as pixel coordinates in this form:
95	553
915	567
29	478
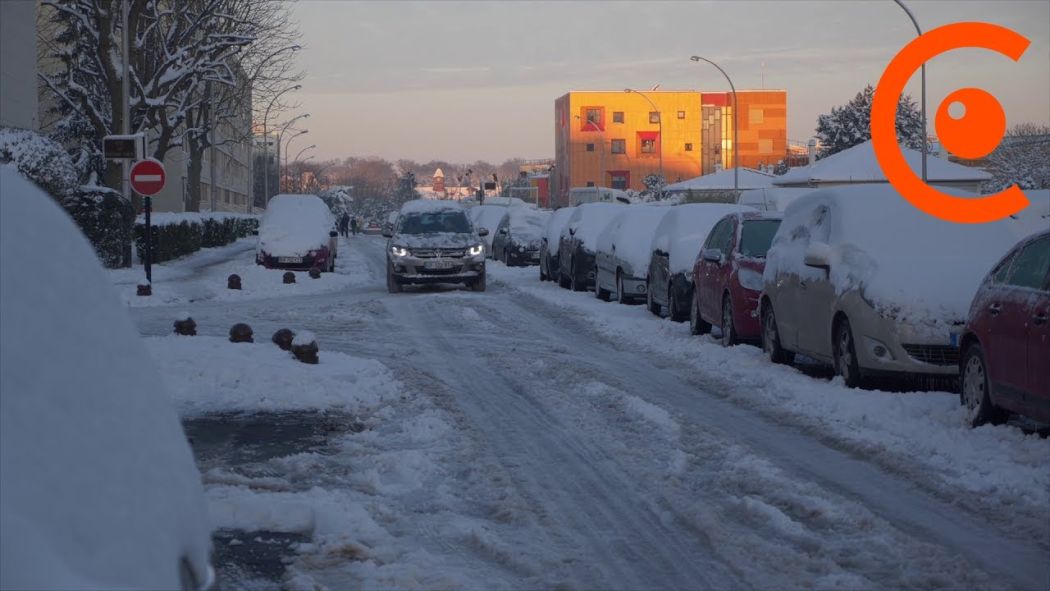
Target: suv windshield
449	222
756	236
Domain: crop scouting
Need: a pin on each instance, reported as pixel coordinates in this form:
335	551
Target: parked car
578	242
728	276
624	247
550	241
676	243
489	218
434	242
519	236
297	232
581	195
99	489
859	278
1006	344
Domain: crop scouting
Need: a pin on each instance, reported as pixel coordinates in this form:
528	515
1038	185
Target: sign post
147	179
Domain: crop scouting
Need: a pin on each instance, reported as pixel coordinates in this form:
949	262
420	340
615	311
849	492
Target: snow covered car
727	277
621	261
676	243
860	279
578	242
519	236
550	242
99	489
1006	345
297	232
488	217
434	242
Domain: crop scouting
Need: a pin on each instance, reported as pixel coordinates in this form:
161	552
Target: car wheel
729	337
674	311
846	355
479	283
601	294
771	338
563	281
650	303
574	282
392	284
974	393
697	326
543	273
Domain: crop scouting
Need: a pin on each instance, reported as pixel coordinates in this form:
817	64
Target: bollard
289	277
241	333
233	281
315	273
186	327
144	289
304	347
283	339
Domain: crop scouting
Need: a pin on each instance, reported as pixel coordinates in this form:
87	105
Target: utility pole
125	115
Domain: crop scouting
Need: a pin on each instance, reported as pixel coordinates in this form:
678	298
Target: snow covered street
531	437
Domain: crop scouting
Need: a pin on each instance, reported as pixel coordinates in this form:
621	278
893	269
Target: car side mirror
572	230
818	255
388	234
333	234
483	231
712	255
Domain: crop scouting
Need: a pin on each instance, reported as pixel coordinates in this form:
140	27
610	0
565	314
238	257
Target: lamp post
286	147
925	147
736	155
601	155
266	141
299	179
660	121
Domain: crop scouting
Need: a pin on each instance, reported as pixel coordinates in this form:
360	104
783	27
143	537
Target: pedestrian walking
344	220
353	225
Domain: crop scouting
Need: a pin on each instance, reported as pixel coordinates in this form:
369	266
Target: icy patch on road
210	375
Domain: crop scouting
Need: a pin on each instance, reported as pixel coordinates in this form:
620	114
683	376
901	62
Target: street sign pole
147	179
147	203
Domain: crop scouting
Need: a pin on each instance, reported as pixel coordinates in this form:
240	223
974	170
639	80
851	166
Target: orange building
616	138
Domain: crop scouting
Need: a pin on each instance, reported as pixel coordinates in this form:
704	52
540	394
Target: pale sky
463	81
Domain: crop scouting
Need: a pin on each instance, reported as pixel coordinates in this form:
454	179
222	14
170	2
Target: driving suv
434	242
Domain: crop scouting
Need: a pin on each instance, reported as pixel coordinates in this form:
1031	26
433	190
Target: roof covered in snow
859	165
293	225
723	180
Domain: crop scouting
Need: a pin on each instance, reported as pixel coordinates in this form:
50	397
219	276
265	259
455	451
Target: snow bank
908	263
98	488
210	374
555	226
629	236
175	218
858	165
589	220
685	228
293	225
1035	217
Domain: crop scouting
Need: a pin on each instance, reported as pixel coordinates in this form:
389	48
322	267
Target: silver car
860	279
621	262
434	242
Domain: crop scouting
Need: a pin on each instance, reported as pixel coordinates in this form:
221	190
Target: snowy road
530	449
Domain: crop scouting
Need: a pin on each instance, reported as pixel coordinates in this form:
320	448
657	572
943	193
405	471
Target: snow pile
98	488
293	225
555	226
1035	217
210	374
589	220
40	159
629	236
192	217
911	265
858	165
303	337
723	181
685	228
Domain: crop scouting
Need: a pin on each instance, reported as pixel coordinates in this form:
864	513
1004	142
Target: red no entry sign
147	177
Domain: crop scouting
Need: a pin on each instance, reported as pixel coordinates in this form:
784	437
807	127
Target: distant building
439	181
18	68
615	138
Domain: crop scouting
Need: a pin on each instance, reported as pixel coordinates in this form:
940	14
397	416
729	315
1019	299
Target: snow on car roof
1035	217
293	225
590	219
430	205
527	221
97	475
631	231
685	228
904	259
555	226
858	164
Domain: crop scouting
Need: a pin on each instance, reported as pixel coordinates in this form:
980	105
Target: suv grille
934	354
430	253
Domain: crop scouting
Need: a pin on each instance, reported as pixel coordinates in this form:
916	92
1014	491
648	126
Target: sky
467	81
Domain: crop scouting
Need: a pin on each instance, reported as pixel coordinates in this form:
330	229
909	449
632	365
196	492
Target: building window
590	183
619	179
590	147
765	146
681	114
592	119
619	146
617	116
756	115
654	116
648	146
689	147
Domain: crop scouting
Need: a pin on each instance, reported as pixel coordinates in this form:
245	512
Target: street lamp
601	155
266	140
310	147
660	120
924	141
299	177
289	143
736	155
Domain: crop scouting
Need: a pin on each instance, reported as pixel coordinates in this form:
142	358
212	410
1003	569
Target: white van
581	195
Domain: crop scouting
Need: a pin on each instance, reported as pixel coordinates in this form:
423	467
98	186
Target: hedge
179	234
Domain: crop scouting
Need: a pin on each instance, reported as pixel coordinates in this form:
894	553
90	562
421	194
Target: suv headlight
399	251
475	250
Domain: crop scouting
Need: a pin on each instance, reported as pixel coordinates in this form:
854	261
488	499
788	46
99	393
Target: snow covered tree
1023	158
850	124
654	187
781	168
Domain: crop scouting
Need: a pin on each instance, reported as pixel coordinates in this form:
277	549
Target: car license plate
440	264
289	259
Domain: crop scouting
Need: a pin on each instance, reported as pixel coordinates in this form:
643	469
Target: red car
728	276
1005	362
